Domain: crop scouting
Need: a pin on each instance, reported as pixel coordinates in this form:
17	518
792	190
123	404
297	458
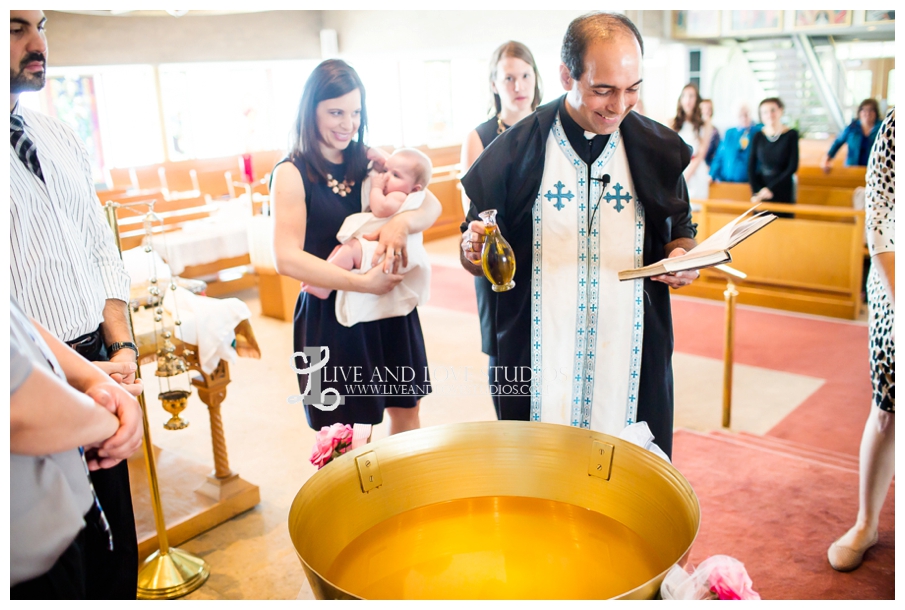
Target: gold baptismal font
494	510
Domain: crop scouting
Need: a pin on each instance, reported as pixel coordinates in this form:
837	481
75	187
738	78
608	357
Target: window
101	104
219	109
694	68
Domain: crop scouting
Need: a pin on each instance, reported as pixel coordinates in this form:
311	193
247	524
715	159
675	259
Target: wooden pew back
733	191
844	177
812	265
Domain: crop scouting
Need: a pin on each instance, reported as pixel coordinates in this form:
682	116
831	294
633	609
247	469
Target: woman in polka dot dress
878	444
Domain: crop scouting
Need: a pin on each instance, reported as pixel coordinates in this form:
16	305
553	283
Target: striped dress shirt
64	263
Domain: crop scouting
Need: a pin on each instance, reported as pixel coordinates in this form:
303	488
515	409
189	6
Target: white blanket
414	290
208	323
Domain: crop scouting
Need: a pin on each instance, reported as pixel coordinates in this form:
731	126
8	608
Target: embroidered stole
586	325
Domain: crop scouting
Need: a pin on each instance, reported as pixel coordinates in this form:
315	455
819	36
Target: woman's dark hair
593	26
519	51
873	105
771	100
330	79
696	120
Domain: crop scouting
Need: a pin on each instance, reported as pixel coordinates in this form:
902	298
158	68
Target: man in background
730	164
66	273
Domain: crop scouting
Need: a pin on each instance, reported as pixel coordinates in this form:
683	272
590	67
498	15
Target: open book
712	251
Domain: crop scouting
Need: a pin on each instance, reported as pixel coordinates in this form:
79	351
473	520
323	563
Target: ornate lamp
169	572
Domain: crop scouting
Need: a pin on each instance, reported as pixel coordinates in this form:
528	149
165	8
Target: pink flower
330	442
729	580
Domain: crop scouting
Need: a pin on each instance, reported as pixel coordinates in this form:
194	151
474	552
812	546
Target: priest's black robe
507	177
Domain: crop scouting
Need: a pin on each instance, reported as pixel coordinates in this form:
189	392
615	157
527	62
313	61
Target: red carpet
452	288
777	509
836	351
831	418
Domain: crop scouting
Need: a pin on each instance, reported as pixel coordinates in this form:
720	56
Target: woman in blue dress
313	190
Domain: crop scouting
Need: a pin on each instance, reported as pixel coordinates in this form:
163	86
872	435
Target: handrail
827	96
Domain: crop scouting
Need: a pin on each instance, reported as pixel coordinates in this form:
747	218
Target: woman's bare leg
877	468
402	420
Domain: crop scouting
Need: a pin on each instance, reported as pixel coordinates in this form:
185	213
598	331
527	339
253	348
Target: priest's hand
473	242
679	278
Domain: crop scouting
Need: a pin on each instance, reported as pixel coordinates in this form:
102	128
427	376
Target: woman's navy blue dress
369	360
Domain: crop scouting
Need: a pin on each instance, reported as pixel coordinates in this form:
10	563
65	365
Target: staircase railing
824	90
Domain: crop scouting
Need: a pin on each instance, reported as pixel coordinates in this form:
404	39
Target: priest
585	188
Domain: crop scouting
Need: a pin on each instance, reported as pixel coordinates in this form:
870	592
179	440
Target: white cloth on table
260	243
142	265
413	290
208	323
223	235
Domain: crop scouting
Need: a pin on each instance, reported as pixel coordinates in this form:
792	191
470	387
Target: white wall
89	40
443	35
368	36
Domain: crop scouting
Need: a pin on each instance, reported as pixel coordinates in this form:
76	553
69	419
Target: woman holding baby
313	191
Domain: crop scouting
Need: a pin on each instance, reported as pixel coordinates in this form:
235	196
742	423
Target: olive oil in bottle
497	257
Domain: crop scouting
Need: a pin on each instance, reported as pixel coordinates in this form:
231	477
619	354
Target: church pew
833	196
811	152
810	194
733	191
844	177
810	264
445	187
222	276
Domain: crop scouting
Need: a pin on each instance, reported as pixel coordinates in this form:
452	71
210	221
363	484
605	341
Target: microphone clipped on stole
605	181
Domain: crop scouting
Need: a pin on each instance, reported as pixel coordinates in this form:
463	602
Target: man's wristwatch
120	345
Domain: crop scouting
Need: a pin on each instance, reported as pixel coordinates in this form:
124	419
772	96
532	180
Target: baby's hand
379	180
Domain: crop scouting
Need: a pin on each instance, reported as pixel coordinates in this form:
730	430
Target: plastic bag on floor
717	577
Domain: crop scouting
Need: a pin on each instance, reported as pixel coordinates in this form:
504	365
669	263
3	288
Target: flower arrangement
333	441
717	577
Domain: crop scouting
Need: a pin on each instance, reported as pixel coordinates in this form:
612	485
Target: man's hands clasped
127	439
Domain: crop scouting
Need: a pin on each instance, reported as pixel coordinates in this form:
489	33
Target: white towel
414	290
208	323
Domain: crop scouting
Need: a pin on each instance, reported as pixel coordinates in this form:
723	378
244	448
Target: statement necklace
774	137
341	188
500	125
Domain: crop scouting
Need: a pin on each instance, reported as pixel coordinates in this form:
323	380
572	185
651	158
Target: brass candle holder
170	572
171	365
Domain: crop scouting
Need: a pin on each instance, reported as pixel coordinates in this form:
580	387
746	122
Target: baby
408	171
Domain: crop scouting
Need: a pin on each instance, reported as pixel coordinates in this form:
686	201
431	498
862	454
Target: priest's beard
22	81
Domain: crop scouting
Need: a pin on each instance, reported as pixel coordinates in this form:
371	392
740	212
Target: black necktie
24	147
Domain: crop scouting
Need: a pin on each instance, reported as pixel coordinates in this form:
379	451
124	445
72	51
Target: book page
721	239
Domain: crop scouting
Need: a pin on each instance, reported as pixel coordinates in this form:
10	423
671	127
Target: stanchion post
730	295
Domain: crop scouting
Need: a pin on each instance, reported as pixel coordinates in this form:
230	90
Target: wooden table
194	498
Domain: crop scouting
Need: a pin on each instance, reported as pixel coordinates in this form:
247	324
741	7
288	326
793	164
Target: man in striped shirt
66	273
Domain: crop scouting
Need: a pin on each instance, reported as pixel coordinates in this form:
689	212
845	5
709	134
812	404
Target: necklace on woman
500	125
341	188
774	137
